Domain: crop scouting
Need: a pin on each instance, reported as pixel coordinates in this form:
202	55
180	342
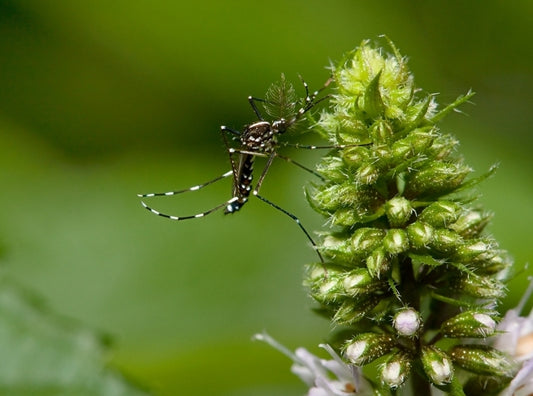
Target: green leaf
43	354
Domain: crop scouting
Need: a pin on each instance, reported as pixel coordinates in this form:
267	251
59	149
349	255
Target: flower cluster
410	276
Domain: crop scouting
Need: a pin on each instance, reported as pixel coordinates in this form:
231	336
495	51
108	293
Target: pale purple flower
522	383
324	377
407	322
517	340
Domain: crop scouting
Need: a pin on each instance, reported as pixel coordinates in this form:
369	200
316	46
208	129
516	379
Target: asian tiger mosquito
258	139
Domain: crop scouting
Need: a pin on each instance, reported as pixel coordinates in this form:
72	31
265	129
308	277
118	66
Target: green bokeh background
102	100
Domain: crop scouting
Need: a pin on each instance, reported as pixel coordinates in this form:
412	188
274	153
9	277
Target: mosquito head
280	126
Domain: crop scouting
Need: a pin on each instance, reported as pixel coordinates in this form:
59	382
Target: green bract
405	239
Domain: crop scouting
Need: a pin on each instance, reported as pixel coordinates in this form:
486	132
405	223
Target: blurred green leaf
43	354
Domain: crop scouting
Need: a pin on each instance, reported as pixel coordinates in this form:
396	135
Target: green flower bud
335	196
399	211
382	155
325	282
471	250
353	156
396	241
407	322
346	203
480	286
486	385
416	112
470	324
367	347
364	240
378	263
345	217
328	289
445	241
359	281
470	223
333	168
367	174
338	248
443	146
482	359
352	311
419	234
498	262
318	272
436	178
437	365
440	214
412	145
396	369
381	132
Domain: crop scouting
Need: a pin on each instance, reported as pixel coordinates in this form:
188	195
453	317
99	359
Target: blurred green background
101	100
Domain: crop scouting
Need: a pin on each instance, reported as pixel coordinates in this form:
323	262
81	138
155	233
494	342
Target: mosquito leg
229	149
252	101
265	171
193	188
254	153
331	146
196	216
224	128
305	168
296	219
310	99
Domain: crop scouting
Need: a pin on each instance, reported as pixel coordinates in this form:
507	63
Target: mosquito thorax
258	136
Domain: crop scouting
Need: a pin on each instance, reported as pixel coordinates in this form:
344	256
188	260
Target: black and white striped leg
232	150
296	219
193	188
332	146
196	216
310	99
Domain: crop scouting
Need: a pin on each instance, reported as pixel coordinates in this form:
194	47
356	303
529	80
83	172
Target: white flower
517	340
324	377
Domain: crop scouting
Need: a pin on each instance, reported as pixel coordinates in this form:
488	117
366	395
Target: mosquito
259	139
